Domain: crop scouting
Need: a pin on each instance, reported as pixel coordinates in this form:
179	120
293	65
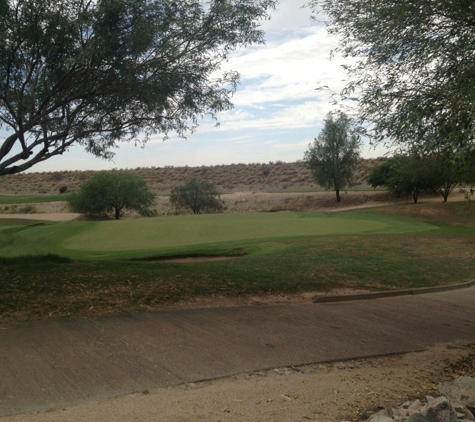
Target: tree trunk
337	191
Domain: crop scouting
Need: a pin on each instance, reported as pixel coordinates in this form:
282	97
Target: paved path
58	363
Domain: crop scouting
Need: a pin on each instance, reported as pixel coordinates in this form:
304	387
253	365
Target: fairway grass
274	253
114	239
32	199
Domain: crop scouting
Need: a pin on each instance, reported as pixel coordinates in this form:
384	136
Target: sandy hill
272	176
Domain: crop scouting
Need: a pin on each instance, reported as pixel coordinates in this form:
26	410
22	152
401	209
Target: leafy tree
445	173
110	193
403	176
411	68
333	156
406	175
96	73
198	195
381	173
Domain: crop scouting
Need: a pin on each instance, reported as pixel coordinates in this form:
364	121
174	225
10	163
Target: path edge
391	293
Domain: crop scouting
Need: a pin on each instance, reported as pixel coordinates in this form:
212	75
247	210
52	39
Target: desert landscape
255	177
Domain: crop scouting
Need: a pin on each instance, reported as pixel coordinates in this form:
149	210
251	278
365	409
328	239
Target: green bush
199	196
110	193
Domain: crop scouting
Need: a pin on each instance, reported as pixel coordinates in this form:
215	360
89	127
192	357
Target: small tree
445	173
110	192
404	176
333	156
197	195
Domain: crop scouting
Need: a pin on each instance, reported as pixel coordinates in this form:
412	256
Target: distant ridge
272	176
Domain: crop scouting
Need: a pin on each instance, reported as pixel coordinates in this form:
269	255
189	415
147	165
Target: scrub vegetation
271	176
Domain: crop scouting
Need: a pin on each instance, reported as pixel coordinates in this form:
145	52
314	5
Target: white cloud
289	14
302	115
278	110
287	71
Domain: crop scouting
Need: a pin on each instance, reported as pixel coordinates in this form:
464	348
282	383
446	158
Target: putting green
166	232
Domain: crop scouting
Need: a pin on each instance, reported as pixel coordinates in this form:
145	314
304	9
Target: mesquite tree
411	69
101	72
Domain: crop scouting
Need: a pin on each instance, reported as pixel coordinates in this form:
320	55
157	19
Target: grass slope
217	234
31	199
190	230
384	259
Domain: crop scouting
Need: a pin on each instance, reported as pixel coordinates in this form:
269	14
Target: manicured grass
190	230
13	199
383	259
190	234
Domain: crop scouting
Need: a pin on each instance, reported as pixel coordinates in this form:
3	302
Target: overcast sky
277	111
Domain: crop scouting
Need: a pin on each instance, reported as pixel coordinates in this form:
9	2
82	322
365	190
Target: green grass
189	234
34	259
31	199
190	230
381	251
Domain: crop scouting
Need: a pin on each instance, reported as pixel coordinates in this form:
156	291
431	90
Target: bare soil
323	392
248	202
234	202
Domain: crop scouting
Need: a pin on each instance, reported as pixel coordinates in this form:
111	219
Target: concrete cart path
50	364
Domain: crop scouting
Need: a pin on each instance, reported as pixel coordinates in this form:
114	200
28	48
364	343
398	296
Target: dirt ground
325	392
322	392
234	202
248	202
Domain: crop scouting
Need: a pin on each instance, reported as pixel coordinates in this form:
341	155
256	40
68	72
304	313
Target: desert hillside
272	176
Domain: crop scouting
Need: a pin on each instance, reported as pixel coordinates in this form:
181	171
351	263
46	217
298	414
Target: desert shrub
110	193
198	196
56	177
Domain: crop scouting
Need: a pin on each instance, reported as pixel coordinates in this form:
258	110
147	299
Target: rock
463	413
415	405
462	390
382	418
456	405
467	414
365	416
440	410
417	417
384	415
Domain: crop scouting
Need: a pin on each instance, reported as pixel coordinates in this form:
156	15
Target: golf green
173	231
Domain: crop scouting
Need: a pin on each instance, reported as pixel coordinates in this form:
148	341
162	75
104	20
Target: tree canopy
411	174
411	68
110	193
96	73
334	154
403	176
197	195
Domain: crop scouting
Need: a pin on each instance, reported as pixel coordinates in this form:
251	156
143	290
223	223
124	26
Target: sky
277	110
